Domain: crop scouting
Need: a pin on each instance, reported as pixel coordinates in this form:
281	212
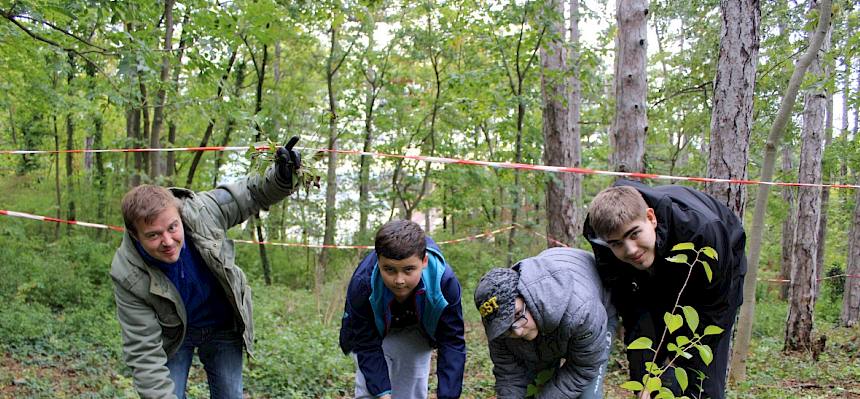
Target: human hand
644	394
289	161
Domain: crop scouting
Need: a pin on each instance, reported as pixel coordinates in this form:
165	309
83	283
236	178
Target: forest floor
37	370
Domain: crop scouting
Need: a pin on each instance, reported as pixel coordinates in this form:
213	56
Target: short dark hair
400	239
145	203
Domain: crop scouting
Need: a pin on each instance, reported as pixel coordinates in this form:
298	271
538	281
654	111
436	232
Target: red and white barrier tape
55	220
784	281
287	244
292	244
445	160
548	238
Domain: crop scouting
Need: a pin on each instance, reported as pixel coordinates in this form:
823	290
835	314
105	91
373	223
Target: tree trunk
156	169
258	106
518	91
747	313
57	188
364	165
630	125
170	163
515	204
12	125
788	225
332	66
798	328
374	80
821	237
732	116
558	140
573	112
145	126
132	128
70	145
207	134
850	316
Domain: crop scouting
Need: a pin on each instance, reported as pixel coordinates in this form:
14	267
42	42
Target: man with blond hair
177	287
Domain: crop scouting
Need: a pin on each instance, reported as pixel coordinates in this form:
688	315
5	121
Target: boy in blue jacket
402	302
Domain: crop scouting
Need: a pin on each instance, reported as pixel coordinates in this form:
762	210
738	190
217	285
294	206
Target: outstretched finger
292	143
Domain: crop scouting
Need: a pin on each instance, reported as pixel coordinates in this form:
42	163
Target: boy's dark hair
615	207
400	239
145	203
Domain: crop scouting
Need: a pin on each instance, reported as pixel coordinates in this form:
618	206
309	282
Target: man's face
162	239
634	243
524	326
401	276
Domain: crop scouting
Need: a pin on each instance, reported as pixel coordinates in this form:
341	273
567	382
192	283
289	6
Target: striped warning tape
784	281
446	160
285	244
55	220
31	216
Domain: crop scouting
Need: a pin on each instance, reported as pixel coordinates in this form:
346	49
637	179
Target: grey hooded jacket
562	291
150	311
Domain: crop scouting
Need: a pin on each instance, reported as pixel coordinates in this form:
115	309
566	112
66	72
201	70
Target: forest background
702	88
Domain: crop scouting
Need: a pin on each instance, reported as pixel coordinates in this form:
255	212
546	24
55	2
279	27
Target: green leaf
682	246
531	391
692	317
681	376
710	252
705	353
686	355
653	384
640	343
544	376
682	340
632	386
712	330
708	273
672	347
673	321
679	258
653	368
665	393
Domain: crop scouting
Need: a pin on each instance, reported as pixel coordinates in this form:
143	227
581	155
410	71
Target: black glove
288	160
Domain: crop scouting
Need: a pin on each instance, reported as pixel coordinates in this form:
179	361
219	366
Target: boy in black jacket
632	228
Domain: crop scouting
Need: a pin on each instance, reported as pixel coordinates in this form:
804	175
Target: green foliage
533	389
683	344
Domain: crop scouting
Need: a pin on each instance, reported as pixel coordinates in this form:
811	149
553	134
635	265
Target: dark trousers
714	385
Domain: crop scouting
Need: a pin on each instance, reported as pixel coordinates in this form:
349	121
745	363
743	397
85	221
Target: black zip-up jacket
683	215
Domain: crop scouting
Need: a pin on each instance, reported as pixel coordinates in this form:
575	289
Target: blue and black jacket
367	319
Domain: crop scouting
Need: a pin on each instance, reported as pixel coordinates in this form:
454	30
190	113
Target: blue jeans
220	351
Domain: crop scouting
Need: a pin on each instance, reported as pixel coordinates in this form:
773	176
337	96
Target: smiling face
524	326
162	239
634	242
402	276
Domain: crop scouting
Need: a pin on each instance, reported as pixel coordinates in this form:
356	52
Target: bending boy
403	300
176	284
632	228
547	315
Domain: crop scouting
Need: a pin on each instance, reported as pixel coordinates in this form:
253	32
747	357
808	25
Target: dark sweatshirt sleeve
450	337
512	378
359	335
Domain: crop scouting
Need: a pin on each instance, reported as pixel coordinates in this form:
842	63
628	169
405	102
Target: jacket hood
556	284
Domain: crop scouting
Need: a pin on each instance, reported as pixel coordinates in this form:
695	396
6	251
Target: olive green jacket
151	313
